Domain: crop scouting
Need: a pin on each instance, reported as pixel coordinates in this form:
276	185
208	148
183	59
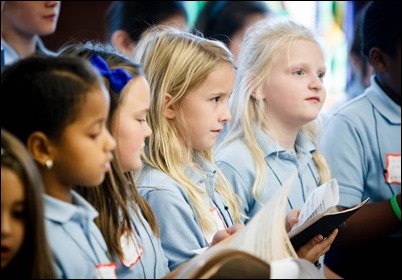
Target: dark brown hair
33	261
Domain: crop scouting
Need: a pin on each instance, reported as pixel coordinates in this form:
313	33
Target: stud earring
49	163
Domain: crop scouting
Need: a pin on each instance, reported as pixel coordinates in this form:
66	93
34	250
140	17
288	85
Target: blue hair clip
118	78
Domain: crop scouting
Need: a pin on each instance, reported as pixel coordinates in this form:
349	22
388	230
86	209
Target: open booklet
263	240
321	214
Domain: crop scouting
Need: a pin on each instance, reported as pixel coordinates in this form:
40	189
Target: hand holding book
321	214
261	250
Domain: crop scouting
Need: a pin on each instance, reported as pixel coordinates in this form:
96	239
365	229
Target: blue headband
118	78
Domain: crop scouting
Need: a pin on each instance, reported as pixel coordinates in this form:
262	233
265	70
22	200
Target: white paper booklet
319	200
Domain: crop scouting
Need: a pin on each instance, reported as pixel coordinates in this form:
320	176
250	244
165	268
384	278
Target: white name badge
132	249
393	168
219	224
106	271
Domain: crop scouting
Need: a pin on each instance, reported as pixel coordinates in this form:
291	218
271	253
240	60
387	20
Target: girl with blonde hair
191	79
276	99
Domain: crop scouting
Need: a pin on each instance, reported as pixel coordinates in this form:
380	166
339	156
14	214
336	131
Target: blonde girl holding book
191	79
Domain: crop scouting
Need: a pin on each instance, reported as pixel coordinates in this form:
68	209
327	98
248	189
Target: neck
284	136
388	91
23	44
54	188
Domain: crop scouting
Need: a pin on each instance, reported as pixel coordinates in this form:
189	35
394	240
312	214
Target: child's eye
141	120
94	135
299	72
216	99
19	214
321	75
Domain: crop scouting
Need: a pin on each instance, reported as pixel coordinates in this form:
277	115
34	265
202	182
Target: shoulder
355	109
8	53
154	181
356	115
231	153
42	49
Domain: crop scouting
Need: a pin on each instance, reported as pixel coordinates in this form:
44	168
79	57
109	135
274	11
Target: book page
265	234
319	200
264	237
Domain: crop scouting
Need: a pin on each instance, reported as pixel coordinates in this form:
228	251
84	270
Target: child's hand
316	247
292	219
223	234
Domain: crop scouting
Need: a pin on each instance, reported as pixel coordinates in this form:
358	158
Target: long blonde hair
260	47
175	62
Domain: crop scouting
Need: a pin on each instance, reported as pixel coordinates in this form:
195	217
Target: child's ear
378	60
39	146
122	42
257	94
169	109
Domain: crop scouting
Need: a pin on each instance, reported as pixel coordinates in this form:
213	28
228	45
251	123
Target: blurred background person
22	24
127	21
227	21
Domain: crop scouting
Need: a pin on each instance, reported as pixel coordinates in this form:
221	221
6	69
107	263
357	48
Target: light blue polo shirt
76	243
153	264
355	143
236	162
181	232
11	56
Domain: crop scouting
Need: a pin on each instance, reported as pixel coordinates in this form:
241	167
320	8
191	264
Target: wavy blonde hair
174	63
260	47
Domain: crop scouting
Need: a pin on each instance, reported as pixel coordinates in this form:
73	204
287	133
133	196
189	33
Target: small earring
49	163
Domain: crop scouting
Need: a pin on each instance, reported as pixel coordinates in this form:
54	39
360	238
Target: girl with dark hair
227	21
125	218
67	105
23	237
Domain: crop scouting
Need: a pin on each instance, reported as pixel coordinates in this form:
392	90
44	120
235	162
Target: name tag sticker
106	271
393	168
219	224
131	248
